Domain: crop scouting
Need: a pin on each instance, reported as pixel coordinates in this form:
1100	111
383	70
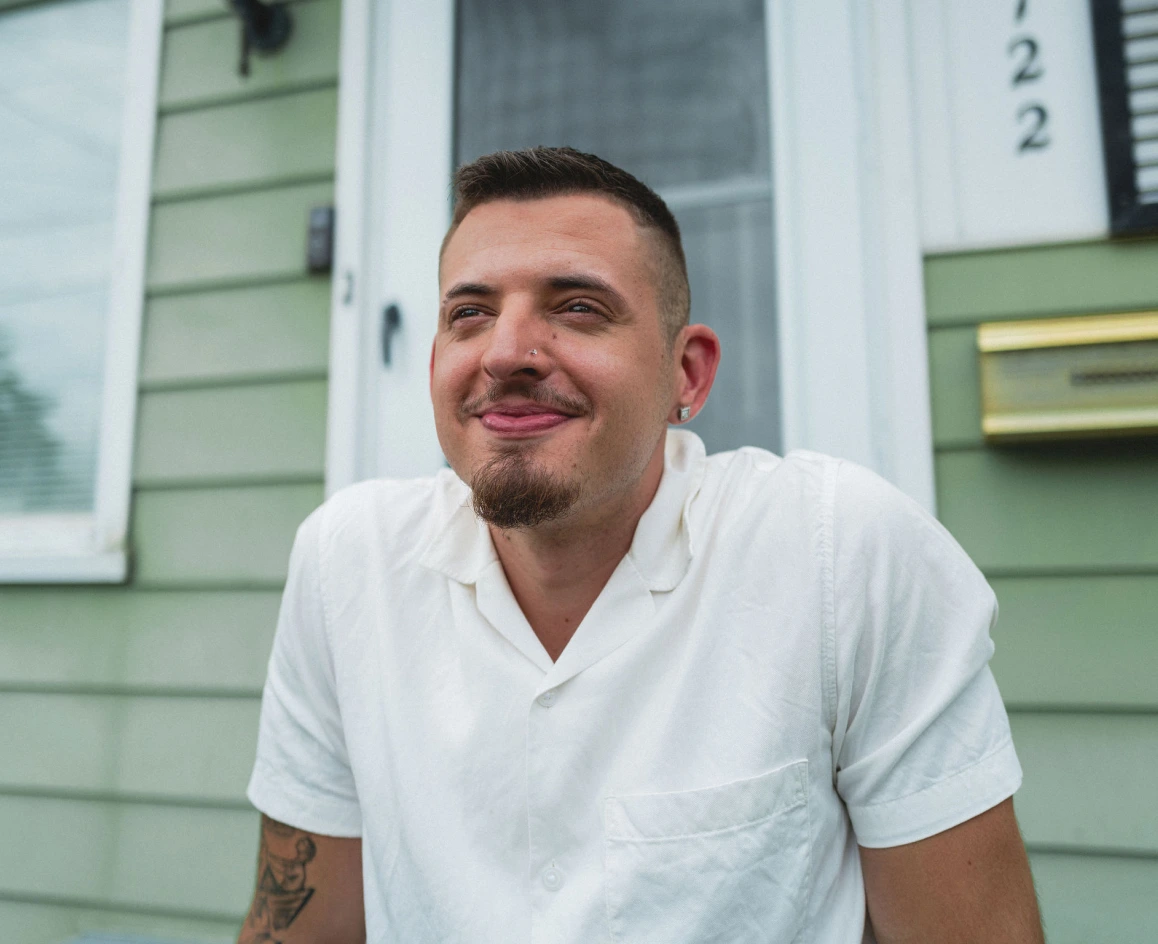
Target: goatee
510	493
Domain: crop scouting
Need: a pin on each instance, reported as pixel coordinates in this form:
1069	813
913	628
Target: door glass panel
676	92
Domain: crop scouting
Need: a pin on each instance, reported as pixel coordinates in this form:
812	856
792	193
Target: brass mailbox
1093	375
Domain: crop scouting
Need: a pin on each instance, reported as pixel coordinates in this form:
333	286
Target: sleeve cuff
290	804
945	804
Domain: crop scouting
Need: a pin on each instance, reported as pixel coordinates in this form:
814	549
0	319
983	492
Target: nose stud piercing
685	413
533	351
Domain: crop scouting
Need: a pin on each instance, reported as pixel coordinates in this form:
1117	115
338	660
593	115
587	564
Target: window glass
62	68
676	92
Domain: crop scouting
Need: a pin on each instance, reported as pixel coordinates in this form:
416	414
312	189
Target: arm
970	883
309	889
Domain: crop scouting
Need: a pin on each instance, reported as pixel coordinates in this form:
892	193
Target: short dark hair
540	172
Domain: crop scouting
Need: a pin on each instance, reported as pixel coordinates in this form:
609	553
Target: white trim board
854	367
93	548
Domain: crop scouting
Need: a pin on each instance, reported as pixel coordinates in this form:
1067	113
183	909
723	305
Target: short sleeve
921	739
302	773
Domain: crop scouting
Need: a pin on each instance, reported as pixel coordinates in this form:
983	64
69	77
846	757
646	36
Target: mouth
521	418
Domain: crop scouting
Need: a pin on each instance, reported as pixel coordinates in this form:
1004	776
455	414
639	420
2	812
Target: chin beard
510	493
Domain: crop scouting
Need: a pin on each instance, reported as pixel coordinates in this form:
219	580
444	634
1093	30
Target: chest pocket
723	865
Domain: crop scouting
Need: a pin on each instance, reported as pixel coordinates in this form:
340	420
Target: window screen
1126	39
61	91
676	92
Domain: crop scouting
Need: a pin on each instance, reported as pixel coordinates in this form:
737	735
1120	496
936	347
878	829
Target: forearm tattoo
282	891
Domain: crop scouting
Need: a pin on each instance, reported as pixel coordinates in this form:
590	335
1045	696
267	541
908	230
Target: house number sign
1025	50
1007	122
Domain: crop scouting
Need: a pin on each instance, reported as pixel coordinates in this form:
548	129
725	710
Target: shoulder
872	518
756	481
392	516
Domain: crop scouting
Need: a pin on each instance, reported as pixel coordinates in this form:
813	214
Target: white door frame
851	317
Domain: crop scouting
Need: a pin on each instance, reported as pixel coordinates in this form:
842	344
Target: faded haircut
540	172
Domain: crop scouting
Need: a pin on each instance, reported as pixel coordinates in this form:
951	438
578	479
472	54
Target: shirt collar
662	547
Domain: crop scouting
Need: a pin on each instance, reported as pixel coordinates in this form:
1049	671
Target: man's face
571	279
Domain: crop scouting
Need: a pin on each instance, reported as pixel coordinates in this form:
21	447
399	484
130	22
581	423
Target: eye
582	307
465	311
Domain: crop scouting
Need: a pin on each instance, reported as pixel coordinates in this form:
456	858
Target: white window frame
92	547
851	315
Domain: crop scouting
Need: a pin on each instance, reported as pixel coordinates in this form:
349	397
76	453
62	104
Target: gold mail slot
1058	378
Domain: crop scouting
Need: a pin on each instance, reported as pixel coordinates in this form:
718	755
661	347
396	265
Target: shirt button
547	699
552	879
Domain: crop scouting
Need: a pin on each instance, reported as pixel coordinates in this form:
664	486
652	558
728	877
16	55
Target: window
1127	47
77	103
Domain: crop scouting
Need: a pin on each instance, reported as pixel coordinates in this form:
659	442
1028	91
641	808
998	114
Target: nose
518	343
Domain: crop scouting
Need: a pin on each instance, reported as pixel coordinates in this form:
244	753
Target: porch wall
129	713
1068	536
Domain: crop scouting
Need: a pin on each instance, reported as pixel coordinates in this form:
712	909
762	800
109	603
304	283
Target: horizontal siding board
227	535
106	638
264	430
1097	900
194	748
134	855
180	11
38	923
249	143
1089	780
955	382
1041	281
1078	641
219	335
200	61
1077	506
259	235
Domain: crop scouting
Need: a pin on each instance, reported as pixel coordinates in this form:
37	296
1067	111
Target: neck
557	571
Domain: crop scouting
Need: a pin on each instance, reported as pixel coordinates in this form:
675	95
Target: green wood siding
1092	899
1074	642
235	432
254	333
102	639
1068	535
232	238
196	749
284	139
178	859
201	60
1053	509
1042	281
51	920
129	713
219	535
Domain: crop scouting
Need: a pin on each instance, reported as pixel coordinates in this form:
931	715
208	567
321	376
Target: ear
696	357
433	348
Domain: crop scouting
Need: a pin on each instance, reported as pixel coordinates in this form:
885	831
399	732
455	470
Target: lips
521	419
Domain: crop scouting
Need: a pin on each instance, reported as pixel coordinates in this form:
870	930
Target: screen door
674	91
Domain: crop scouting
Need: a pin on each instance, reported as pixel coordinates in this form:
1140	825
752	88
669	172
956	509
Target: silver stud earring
685	413
533	351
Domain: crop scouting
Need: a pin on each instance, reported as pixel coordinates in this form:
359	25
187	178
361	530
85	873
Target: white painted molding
92	548
349	290
854	371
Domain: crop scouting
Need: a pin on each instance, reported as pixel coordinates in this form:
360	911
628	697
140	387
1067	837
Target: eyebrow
469	288
590	283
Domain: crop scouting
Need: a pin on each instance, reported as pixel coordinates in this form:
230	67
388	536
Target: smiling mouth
521	420
523	410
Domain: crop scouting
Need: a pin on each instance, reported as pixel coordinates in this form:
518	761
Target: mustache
535	392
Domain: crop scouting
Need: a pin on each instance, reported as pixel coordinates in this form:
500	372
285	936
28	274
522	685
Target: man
615	690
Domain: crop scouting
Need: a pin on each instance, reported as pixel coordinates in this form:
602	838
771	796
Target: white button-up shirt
791	659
